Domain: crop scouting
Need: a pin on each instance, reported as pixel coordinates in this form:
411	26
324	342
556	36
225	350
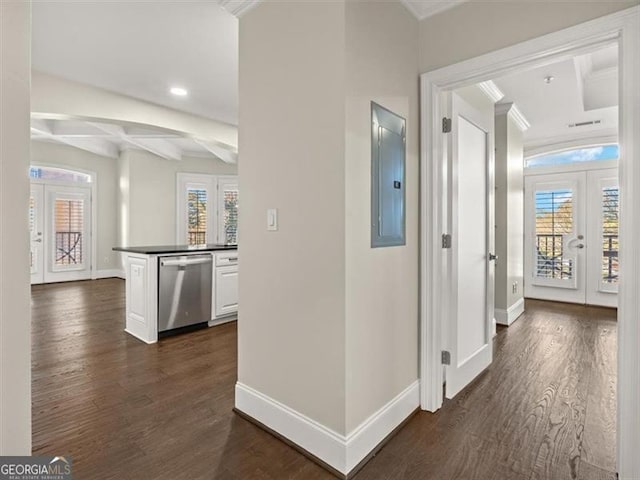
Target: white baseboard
507	317
369	434
338	451
109	274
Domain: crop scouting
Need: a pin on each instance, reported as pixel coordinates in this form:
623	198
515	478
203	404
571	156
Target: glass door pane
553	223
228	195
69	233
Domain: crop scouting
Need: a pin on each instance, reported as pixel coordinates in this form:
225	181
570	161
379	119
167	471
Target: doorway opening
572	233
439	271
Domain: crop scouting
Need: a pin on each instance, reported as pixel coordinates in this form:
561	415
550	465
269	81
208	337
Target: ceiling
142	49
583	89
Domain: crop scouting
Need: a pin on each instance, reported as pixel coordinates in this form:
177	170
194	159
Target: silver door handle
493	257
184	263
580	245
39	240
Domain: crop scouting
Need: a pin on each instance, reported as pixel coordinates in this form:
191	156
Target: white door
571	237
470	187
555	237
36	230
602	238
67	237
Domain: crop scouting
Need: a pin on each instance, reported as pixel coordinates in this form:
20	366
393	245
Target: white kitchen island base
141	272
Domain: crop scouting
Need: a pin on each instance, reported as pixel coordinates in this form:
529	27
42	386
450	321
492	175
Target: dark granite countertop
162	249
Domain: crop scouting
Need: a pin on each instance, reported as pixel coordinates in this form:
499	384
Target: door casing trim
621	28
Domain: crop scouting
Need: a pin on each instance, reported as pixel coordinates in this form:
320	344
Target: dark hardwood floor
125	410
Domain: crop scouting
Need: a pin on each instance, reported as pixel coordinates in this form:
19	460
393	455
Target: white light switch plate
272	219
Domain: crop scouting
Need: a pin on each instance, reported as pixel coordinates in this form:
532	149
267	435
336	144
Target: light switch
272	219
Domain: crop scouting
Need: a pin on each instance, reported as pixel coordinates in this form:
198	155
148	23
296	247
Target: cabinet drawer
227	258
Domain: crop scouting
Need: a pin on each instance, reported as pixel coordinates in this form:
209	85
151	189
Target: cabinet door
226	290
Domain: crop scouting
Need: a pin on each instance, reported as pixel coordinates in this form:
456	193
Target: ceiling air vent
585	124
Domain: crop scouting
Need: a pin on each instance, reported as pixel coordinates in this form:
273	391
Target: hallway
122	409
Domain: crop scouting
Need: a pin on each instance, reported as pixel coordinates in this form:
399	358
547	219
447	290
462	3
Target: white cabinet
226	290
225	295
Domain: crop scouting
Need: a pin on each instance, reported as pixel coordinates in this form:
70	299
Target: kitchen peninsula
175	288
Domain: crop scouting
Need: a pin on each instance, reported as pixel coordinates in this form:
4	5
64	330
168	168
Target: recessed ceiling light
179	91
548	79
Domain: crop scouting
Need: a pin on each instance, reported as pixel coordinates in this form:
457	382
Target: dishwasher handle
185	263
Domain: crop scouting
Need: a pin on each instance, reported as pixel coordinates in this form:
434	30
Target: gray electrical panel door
387	177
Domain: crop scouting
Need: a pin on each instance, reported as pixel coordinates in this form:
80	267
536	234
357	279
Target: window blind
554	220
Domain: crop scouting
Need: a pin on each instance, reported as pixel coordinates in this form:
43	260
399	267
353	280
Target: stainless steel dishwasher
184	293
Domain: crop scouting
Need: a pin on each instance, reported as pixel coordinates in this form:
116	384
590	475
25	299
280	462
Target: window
580	155
69	229
207	209
228	202
58	174
554	220
610	235
197	216
230	221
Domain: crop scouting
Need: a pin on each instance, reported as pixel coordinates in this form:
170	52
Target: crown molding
518	117
503	108
511	109
422	9
491	90
238	8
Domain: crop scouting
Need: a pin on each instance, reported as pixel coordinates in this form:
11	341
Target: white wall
147	202
106	169
509	212
15	316
328	325
479	27
381	283
55	95
291	327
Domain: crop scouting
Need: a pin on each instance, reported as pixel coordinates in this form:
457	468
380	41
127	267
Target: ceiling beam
224	153
158	146
43	130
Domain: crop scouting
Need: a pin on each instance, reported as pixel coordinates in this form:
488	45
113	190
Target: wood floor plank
122	409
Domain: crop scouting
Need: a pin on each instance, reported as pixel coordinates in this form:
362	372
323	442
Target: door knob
39	240
493	257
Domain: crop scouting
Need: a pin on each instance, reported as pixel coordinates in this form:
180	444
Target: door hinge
446	125
446	240
446	357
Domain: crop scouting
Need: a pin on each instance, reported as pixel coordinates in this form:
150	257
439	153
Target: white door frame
622	28
94	203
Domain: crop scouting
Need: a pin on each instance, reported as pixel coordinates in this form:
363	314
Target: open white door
36	231
470	174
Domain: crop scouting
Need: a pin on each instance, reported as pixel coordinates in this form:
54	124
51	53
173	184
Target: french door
571	237
60	228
